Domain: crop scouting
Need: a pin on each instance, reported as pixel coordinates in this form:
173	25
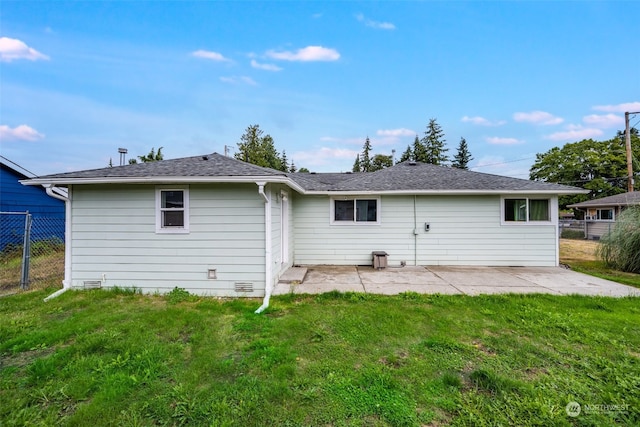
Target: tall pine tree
463	156
419	151
356	164
434	144
365	161
407	155
258	149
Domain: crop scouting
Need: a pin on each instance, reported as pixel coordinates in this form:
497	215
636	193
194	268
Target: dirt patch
578	250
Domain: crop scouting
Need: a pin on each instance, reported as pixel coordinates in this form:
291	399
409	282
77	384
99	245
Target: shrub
620	249
572	234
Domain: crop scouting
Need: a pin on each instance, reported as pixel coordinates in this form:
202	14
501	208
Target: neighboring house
15	197
601	214
218	226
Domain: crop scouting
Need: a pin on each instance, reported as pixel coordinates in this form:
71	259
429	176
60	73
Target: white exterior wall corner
463	230
114	240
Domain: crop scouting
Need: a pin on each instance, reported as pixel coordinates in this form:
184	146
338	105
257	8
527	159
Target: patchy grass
121	358
46	270
581	255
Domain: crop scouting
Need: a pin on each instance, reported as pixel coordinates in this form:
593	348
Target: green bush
620	249
572	234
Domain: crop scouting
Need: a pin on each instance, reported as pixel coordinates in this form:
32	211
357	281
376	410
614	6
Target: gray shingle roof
416	176
211	165
407	177
624	199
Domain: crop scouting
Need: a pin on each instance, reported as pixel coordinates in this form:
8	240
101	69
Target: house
600	214
218	226
48	212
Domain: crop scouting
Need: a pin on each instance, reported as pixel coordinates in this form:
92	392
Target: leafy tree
463	156
434	144
258	149
151	157
599	166
303	170
419	151
357	167
381	161
408	153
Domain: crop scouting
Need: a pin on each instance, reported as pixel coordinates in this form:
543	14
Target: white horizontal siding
464	230
114	238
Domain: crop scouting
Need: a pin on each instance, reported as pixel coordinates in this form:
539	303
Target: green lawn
95	358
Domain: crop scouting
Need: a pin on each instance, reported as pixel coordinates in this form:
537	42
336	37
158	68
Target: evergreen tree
407	155
419	151
257	149
365	162
356	165
434	144
284	162
293	168
463	156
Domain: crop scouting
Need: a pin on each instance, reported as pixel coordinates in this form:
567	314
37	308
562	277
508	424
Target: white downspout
268	281
66	283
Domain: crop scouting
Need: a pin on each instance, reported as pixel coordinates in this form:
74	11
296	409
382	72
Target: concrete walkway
447	280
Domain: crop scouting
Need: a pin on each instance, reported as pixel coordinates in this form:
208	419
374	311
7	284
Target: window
605	214
601	214
172	210
345	211
526	210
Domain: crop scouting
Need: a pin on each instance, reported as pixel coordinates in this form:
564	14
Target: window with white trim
601	214
524	210
172	210
355	211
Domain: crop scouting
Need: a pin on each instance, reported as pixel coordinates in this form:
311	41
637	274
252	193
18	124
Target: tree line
431	148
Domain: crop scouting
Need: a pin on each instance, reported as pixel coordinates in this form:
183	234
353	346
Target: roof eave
444	192
165	180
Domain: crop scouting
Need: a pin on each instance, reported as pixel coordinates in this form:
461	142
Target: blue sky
78	80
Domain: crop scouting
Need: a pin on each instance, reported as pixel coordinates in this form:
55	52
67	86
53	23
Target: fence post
26	252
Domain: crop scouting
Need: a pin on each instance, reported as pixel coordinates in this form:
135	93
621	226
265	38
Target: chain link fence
31	251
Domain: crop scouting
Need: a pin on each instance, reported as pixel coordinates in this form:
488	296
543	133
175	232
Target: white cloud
11	49
395	132
496	140
306	54
620	108
375	24
604	120
267	67
207	54
325	156
538	117
481	121
239	80
19	133
575	133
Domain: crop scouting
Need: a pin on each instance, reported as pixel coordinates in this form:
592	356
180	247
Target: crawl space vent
243	287
92	284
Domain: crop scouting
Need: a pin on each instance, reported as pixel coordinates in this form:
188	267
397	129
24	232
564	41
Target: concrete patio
447	280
